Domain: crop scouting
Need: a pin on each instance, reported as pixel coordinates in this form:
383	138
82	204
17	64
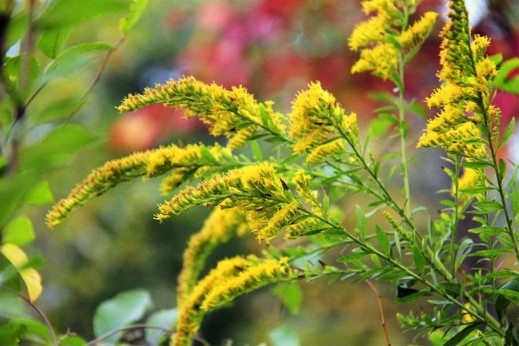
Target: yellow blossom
381	60
146	164
418	32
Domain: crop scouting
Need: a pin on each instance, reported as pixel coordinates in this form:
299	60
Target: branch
379	298
38	310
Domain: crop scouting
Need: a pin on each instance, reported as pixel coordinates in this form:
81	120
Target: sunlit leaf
30	276
18	232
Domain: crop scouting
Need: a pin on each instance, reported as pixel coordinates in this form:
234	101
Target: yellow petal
30	276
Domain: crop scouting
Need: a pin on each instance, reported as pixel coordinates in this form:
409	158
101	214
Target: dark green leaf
458	338
475	165
488	206
122	310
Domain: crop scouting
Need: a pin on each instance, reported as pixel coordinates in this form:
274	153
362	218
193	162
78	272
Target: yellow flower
226	111
382	60
217	229
148	164
418	32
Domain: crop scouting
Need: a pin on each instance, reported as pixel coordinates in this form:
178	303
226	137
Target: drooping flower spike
152	163
232	113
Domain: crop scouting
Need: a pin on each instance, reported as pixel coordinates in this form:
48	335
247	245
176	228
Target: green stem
479	313
454	225
403	132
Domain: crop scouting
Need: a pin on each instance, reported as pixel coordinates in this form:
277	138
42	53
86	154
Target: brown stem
381	308
38	310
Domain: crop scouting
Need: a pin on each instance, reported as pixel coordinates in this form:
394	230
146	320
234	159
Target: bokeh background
273	48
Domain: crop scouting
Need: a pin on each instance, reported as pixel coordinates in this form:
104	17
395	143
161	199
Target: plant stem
403	133
454	225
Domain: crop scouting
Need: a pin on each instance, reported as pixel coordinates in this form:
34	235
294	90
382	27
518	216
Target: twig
379	298
38	310
96	78
144	326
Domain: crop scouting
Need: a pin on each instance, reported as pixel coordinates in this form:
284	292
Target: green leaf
64	13
352	257
256	151
206	154
74	58
264	115
382	96
56	149
291	296
137	8
122	310
284	336
488	206
383	240
458	338
475	165
506	136
463	250
378	127
361	222
19	231
52	41
477	190
509	85
39	195
11	333
417	109
165	319
413	296
514	197
496	58
419	260
72	340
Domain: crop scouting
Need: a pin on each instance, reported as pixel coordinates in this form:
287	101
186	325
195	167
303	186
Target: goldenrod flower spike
190	314
376	36
418	31
146	164
317	119
265	273
233	113
464	97
218	228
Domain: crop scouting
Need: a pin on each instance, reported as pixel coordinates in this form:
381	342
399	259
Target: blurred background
273	48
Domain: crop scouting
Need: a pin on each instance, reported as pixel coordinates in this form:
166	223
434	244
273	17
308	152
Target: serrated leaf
383	240
30	276
165	319
122	310
18	232
136	11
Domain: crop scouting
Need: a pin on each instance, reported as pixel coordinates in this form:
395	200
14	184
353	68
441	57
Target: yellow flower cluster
229	280
146	164
318	122
471	178
257	191
217	229
377	36
464	97
233	113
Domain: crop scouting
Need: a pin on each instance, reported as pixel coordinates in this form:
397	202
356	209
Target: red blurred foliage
149	127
